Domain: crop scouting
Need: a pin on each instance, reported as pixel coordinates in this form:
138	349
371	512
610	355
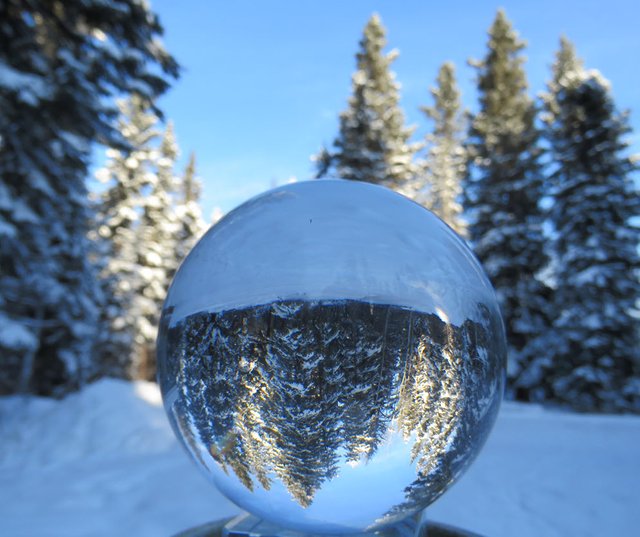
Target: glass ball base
246	525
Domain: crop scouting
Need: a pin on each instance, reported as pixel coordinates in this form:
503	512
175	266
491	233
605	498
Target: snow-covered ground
105	463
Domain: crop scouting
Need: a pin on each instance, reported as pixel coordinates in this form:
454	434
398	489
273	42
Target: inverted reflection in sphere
332	355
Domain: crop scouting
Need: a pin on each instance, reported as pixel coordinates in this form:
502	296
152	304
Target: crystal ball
332	356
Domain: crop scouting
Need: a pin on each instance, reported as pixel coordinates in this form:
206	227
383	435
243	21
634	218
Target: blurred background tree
596	357
445	165
503	192
61	65
373	142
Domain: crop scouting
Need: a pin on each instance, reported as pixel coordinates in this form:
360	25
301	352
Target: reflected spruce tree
297	405
448	413
294	389
371	341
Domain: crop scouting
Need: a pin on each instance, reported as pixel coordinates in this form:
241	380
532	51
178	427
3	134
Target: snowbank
104	463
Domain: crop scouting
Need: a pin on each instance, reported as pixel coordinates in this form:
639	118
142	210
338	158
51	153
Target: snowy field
105	463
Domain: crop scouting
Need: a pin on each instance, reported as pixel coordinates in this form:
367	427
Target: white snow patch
148	392
14	335
7	229
30	87
104	462
23	213
358	249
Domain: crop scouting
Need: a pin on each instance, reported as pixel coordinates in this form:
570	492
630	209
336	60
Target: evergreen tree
373	143
149	219
597	358
60	65
446	163
566	64
189	215
129	176
156	253
502	196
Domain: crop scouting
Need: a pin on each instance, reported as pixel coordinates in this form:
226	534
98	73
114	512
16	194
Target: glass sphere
332	355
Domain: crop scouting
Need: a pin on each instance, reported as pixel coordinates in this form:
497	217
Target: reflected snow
331	239
332	355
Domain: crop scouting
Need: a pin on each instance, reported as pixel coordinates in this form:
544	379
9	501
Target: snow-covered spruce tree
156	253
446	164
129	175
502	195
149	218
191	225
60	65
595	335
373	143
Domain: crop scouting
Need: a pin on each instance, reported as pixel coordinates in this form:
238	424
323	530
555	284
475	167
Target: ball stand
246	525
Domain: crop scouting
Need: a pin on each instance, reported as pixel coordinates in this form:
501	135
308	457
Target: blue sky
264	82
